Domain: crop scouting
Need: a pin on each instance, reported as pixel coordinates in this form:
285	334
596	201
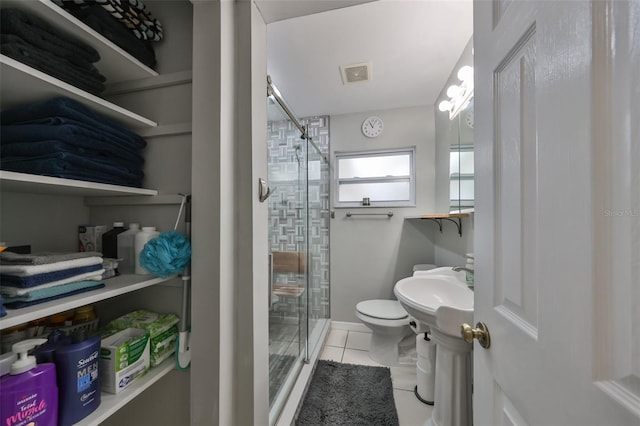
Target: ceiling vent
355	73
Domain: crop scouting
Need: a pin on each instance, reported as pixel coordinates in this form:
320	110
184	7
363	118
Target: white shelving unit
21	84
115	64
37	184
113	287
110	403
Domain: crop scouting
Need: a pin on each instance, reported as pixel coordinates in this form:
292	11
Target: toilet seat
382	309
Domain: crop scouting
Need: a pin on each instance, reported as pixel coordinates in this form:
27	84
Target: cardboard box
162	328
90	237
124	357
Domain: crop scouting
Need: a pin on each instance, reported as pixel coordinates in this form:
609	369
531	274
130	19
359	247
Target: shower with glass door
298	174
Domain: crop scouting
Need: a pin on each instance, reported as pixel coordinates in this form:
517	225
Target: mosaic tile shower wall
288	215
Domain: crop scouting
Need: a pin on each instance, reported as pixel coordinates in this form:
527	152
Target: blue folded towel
3	311
88	79
80	159
53	293
47	277
74	133
58	165
74	110
40	33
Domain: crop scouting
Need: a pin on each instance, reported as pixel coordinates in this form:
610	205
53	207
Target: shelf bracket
457	221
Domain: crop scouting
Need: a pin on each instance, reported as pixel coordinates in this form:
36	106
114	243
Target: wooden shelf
37	184
115	64
111	403
113	287
443	216
456	218
22	84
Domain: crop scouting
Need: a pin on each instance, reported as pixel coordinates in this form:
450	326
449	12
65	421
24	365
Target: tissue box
90	237
162	328
124	356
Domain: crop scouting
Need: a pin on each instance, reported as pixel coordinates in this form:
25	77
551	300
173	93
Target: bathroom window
375	178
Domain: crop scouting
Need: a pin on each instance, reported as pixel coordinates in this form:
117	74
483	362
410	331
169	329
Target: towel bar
388	214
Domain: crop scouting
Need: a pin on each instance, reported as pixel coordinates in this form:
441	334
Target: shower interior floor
284	349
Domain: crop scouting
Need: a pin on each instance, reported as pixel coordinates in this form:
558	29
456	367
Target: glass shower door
287	177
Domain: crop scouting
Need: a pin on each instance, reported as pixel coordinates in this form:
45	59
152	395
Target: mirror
454	138
461	165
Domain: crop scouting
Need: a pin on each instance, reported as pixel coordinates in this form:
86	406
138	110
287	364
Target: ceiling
412	46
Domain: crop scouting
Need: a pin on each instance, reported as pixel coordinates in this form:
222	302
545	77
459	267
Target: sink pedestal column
452	394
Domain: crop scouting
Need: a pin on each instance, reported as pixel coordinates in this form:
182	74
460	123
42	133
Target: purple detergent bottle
29	392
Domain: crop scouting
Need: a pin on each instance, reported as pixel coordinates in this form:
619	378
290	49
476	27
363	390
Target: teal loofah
167	254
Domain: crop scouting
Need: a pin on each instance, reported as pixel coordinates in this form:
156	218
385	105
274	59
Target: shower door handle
263	190
270	278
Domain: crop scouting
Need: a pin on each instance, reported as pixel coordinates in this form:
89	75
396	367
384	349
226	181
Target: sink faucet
469	276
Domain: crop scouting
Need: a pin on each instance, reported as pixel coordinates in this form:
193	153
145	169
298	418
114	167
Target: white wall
369	254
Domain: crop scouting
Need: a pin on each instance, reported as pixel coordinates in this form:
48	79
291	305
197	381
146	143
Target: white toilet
389	324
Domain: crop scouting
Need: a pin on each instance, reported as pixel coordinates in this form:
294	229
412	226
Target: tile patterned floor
351	347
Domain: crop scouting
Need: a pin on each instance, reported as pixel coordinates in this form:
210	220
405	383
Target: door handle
481	332
263	190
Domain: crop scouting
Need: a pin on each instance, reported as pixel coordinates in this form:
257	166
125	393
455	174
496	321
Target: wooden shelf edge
111	403
443	216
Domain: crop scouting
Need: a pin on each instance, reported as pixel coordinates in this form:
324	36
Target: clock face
372	127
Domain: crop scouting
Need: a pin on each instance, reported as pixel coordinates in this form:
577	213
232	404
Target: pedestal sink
441	299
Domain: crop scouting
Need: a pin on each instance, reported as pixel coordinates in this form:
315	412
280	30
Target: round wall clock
372	127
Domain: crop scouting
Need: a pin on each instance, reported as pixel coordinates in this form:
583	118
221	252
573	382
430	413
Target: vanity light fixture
459	95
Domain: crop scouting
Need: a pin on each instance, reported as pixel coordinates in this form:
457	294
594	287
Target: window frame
411	178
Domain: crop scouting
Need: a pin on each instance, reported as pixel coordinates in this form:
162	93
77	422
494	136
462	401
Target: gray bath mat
346	394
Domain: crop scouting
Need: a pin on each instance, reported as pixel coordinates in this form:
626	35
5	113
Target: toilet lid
383	309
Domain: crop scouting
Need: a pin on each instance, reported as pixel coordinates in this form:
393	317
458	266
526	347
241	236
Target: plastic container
148	233
62	319
110	240
84	314
12	335
78	373
29	392
46	353
126	249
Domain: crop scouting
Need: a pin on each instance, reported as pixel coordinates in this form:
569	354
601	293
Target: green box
124	357
162	328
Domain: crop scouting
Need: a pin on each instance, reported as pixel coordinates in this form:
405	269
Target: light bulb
465	73
453	91
444	106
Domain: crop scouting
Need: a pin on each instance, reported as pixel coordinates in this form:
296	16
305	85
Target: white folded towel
28	270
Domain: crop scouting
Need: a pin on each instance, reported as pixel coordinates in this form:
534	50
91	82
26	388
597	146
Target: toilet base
384	347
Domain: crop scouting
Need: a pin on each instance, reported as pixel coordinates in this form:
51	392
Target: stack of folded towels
29	279
127	23
61	137
32	41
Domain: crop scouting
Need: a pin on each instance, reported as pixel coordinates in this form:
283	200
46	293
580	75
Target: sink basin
437	298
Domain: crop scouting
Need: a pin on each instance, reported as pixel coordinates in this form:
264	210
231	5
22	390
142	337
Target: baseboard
350	326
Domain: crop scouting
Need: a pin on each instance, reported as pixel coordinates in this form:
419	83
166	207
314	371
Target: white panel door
557	212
